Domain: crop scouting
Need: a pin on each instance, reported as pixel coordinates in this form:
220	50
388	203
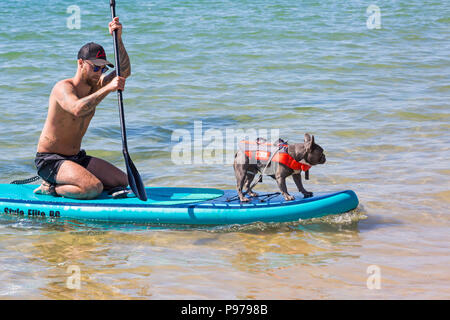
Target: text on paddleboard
31	212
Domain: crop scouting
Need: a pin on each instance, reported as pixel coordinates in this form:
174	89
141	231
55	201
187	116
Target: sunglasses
97	68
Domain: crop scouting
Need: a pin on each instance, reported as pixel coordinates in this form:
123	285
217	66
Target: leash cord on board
26	181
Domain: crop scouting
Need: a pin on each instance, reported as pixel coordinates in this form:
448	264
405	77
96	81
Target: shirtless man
65	168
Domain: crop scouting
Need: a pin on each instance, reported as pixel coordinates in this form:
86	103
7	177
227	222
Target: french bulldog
308	153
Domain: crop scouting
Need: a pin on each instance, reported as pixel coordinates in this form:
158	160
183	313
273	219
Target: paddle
134	179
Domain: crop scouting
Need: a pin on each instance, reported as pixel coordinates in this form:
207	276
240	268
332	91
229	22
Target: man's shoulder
62	90
65	84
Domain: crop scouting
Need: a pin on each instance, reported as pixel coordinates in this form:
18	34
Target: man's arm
69	101
125	66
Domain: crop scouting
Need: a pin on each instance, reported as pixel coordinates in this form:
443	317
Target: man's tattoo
87	104
125	67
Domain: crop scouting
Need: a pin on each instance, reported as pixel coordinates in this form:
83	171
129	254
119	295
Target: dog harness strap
282	155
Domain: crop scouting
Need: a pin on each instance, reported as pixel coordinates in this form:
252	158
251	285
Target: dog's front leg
298	182
281	181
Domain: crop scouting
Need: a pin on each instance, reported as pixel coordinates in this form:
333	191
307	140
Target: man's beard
92	82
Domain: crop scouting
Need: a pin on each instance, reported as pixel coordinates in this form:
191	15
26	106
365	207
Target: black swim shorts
48	164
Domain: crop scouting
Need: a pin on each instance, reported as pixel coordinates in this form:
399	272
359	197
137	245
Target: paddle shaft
119	92
134	179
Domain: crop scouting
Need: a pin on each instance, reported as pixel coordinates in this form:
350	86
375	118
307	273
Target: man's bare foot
45	188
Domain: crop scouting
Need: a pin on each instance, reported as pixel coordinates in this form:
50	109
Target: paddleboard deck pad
194	206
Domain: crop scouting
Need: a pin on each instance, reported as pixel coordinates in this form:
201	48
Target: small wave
309	109
414	116
356	133
443	20
345	219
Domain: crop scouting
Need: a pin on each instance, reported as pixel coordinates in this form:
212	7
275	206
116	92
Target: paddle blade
134	179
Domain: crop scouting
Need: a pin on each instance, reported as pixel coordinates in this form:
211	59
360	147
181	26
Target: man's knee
92	189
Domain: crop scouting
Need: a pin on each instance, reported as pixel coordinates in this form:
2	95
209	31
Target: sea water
370	80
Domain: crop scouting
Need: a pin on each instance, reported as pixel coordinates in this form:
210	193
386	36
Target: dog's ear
308	142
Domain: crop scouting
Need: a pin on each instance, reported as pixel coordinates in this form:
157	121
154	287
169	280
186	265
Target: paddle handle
112	4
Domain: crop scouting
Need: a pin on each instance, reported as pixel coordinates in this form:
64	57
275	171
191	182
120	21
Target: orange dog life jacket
260	153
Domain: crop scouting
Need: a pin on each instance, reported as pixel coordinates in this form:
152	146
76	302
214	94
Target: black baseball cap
95	53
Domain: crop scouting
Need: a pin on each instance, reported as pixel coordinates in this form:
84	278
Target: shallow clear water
377	101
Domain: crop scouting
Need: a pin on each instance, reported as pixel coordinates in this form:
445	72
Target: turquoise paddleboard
176	206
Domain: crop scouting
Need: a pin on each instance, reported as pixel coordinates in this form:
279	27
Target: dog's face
314	153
